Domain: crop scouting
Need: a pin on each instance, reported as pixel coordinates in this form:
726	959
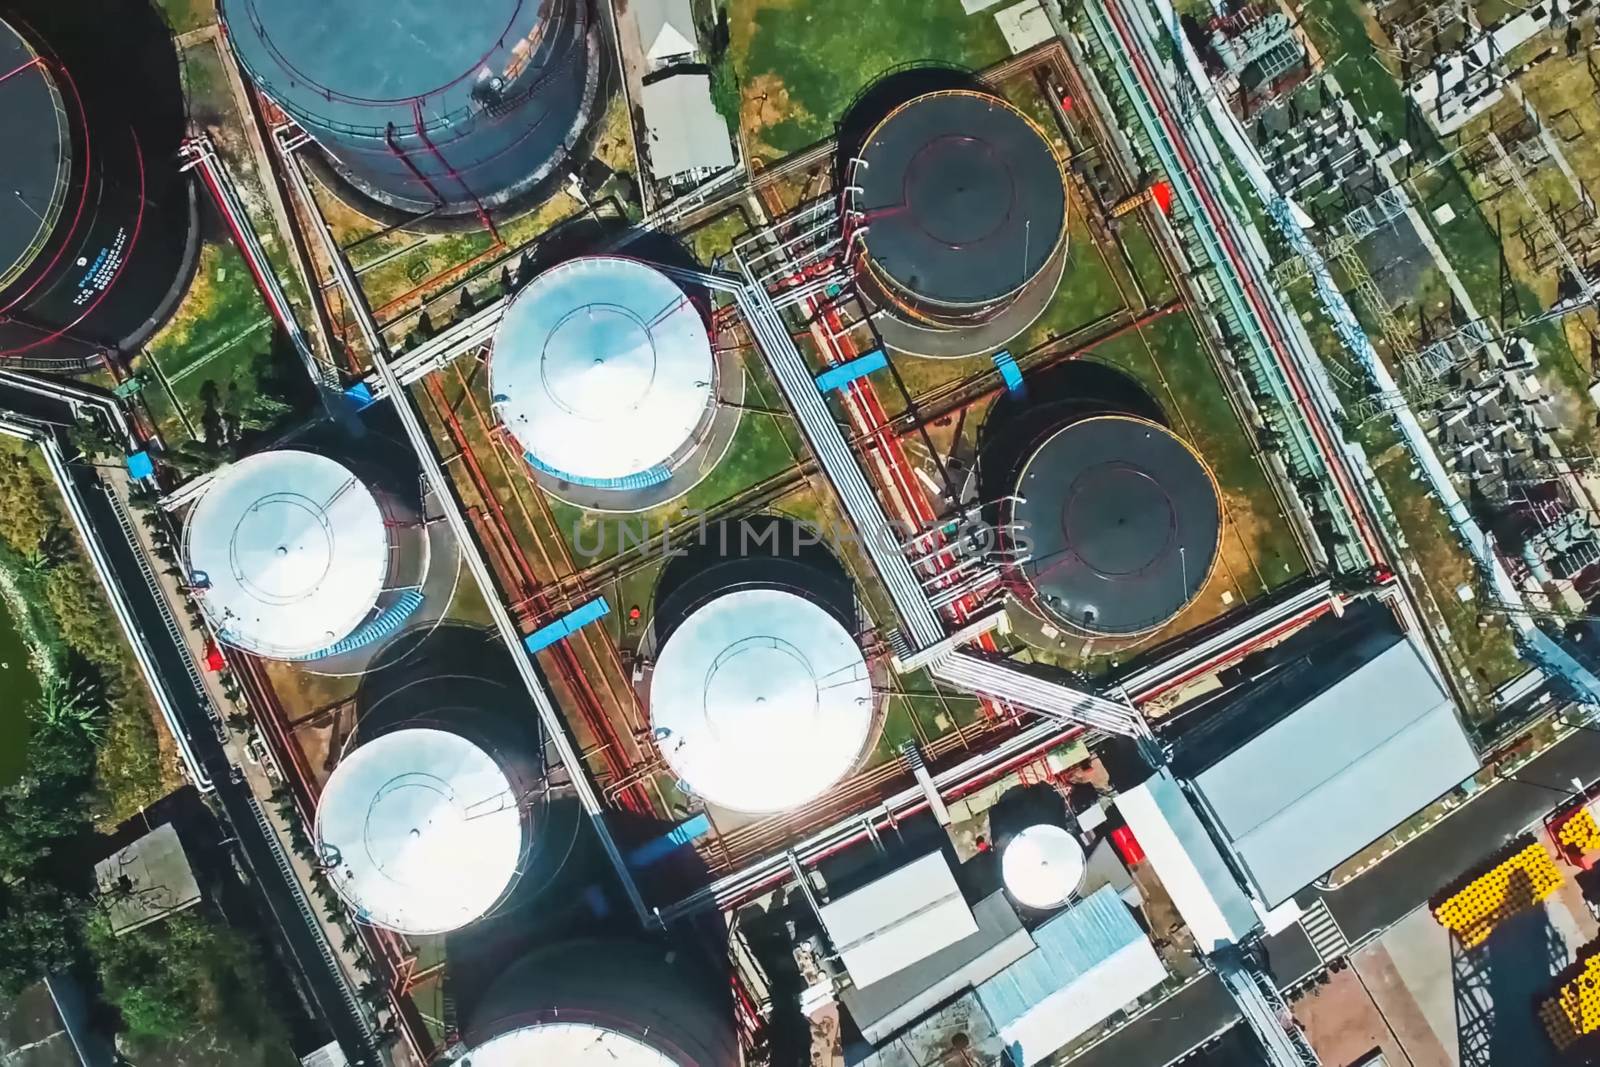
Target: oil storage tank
603	371
426	105
295	557
957	203
96	221
422	830
1119	520
604	1002
760	700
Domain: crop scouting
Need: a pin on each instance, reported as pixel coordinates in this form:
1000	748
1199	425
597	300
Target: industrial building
428	108
927	953
97	226
760	700
1118	521
689	138
959	202
1325	750
604	1003
421	830
293	556
1322	746
603	372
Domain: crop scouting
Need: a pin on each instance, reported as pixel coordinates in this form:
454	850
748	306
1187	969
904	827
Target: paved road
171	660
1372	902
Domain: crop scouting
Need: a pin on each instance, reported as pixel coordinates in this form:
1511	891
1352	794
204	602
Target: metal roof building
961	201
889	1004
1189	863
426	106
760	700
1121	520
1341	744
688	135
291	552
666	29
1091	960
603	371
421	831
898	920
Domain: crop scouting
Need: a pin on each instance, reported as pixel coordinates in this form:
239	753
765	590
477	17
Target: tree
184	975
39	928
71	707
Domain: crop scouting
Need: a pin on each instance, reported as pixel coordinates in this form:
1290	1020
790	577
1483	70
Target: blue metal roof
1069	946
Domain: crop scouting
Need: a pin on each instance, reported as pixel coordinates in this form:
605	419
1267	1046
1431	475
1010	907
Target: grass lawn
1440	560
219	332
716	238
186	15
801	62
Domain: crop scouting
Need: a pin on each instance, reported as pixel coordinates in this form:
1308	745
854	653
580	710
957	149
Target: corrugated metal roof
686	132
1068	947
666	27
1338	772
1188	862
884	1007
903	917
1090	961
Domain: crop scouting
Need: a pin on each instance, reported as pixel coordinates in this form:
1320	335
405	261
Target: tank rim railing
63	183
556	65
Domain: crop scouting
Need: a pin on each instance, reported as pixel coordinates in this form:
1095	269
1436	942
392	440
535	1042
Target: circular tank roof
577	1044
37	157
760	700
602	368
964	198
1122	520
421	829
1042	866
291	550
378	51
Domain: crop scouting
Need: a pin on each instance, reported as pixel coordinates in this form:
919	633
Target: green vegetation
186	15
93	757
20	684
69	616
192	982
799	65
220	371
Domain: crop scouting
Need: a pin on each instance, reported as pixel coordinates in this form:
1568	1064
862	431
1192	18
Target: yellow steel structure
1575	1009
1520	881
1580	832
